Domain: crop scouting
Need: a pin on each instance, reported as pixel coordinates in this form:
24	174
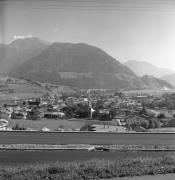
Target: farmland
21	89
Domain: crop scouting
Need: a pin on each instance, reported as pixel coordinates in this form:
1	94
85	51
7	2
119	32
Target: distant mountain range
79	65
19	51
142	68
170	78
155	83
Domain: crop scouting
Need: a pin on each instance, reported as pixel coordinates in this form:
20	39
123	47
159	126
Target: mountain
142	68
82	66
18	52
79	65
3	52
155	83
170	78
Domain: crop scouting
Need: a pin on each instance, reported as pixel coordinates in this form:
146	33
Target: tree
82	111
96	115
99	105
77	111
69	111
143	111
171	123
161	116
145	124
112	113
105	117
153	123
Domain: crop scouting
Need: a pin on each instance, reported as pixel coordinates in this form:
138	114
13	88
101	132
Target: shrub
161	116
154	123
145	124
86	127
92	169
171	123
61	126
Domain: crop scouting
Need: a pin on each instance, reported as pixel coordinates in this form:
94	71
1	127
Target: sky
142	30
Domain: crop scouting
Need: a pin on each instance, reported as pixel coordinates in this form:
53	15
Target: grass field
23	90
162	130
52	124
148	91
92	169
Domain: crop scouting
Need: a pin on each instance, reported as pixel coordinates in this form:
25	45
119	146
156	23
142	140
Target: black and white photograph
87	89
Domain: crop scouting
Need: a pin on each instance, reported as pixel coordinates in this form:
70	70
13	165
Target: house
17	115
34	102
53	115
34	115
117	122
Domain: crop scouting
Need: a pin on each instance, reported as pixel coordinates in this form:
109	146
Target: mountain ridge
80	65
142	68
170	78
19	51
76	64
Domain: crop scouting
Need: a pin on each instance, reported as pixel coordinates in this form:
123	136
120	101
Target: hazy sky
141	30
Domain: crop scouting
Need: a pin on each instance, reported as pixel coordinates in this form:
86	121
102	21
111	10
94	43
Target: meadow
162	130
52	124
22	90
92	169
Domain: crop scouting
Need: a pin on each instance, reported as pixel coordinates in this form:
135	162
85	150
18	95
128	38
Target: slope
79	65
142	68
19	51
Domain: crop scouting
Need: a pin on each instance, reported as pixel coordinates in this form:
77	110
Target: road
23	137
12	158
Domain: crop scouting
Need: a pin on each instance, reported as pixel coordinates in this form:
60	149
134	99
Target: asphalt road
23	137
12	158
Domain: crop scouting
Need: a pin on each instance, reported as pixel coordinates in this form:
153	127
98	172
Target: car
98	148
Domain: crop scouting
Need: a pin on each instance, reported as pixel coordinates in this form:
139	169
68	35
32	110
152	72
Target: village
99	110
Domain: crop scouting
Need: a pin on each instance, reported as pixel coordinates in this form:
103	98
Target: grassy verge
93	169
87	146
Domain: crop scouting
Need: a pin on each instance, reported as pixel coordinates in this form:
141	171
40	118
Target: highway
59	138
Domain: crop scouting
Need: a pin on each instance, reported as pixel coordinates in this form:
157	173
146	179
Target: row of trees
147	124
77	111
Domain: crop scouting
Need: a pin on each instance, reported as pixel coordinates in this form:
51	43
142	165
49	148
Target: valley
87	89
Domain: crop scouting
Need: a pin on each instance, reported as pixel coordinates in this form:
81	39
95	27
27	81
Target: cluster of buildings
50	106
